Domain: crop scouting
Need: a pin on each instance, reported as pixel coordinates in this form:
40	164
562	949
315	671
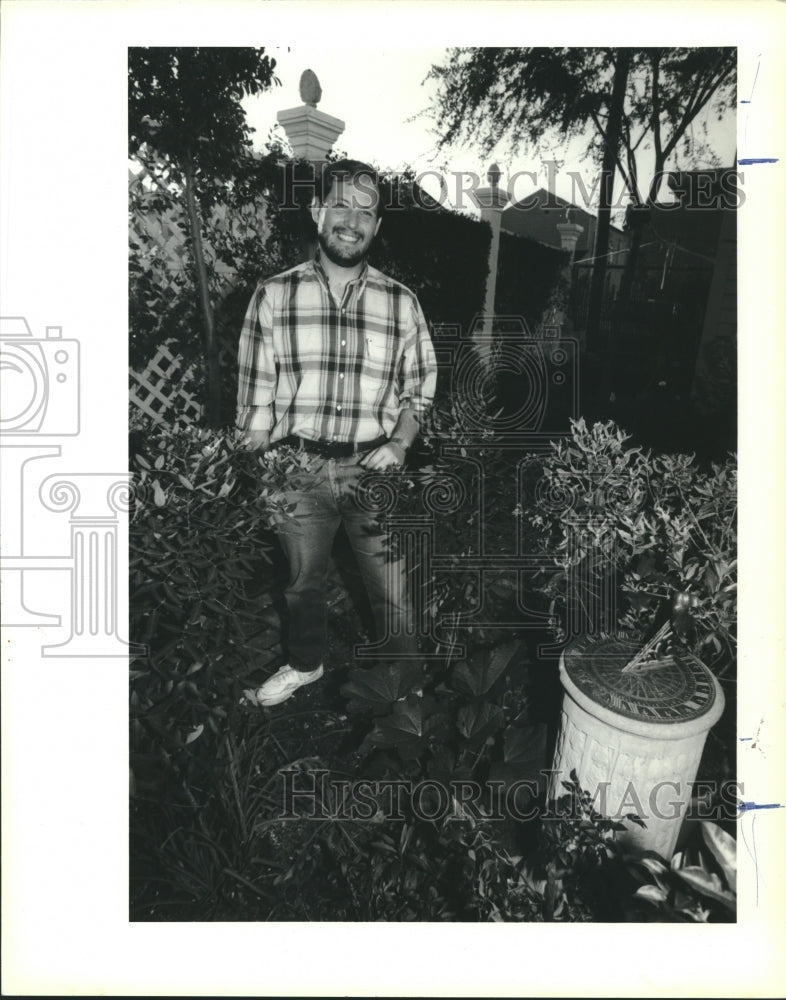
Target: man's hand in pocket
257	440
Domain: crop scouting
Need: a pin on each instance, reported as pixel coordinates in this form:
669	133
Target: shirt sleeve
256	365
419	364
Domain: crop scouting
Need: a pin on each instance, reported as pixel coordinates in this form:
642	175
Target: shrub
661	523
456	714
200	569
699	884
457	868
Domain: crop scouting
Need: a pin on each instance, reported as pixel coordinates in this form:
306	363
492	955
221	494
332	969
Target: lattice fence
161	392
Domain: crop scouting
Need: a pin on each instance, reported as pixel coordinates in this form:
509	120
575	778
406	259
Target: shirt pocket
378	358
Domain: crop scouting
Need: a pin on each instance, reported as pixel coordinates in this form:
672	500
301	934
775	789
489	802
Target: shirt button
340	374
338	408
343	343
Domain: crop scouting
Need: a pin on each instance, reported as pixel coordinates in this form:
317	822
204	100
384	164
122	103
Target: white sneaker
284	683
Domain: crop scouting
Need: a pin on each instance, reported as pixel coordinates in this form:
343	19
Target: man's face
347	222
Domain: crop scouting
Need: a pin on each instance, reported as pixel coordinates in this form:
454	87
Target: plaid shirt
310	367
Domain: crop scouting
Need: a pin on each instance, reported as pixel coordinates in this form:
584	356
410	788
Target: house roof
537	216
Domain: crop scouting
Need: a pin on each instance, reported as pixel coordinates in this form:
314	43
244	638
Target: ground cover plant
213	834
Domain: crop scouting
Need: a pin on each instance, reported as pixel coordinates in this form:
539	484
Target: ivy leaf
402	728
479	720
478	677
525	745
377	688
524	755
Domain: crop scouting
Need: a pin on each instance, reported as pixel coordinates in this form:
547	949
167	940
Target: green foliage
200	574
208	838
699	885
529	279
246	237
453	716
527	94
185	110
185	103
199	566
456	867
578	856
193	814
665	525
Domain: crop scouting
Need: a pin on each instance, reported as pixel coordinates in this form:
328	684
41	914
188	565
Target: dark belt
332	449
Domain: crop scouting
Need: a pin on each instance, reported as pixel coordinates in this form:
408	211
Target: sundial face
678	690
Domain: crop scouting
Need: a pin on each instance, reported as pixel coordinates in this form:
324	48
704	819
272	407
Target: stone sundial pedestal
634	738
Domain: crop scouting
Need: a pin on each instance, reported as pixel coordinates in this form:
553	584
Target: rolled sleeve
419	366
256	365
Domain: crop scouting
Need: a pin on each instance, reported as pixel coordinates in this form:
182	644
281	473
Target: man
335	358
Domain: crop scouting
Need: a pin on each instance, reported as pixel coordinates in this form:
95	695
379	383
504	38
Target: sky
375	91
382	93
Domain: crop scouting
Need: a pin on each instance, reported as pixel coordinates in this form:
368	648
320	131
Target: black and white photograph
400	407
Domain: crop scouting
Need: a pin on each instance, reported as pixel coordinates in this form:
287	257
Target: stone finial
493	175
310	90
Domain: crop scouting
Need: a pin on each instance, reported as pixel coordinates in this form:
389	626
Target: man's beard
343	255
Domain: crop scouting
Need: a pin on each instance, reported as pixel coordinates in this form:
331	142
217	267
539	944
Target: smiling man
335	359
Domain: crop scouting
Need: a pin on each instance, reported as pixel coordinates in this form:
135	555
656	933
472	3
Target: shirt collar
360	280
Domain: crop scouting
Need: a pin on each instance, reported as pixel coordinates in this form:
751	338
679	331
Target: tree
184	105
525	94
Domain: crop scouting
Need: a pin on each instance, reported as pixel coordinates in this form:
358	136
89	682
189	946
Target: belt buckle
325	449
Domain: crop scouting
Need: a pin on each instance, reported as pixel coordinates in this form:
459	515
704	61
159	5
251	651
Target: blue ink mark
748	160
752	854
743	806
755	78
744	739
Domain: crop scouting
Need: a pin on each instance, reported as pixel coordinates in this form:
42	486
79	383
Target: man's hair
351	170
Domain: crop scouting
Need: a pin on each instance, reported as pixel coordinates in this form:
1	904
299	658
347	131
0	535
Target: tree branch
655	117
690	115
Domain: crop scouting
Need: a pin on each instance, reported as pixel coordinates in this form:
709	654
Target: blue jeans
326	495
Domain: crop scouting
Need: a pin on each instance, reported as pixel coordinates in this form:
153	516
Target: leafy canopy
525	94
185	102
